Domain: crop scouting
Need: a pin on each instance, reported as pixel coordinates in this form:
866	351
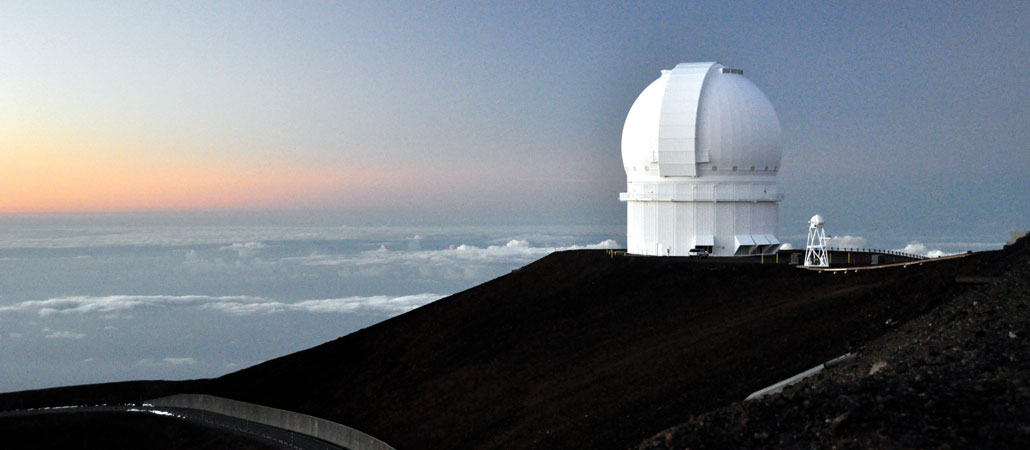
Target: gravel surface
957	376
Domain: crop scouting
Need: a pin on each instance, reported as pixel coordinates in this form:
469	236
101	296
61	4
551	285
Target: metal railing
875	250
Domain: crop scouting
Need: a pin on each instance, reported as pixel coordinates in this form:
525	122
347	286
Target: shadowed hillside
582	350
955	377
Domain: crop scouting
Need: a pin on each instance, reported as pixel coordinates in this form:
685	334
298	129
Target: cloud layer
513	250
918	248
239	305
168	362
456	262
847	241
63	335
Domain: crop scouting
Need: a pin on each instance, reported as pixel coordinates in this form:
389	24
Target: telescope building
701	148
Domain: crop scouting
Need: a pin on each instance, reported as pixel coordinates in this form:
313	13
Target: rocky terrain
958	376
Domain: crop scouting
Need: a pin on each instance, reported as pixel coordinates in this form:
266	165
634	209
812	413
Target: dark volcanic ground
956	377
113	431
582	350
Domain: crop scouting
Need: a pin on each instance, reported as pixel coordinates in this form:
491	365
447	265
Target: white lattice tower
815	251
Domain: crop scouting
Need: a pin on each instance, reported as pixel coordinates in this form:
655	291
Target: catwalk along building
701	148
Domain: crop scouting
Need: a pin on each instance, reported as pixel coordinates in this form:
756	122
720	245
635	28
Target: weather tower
815	251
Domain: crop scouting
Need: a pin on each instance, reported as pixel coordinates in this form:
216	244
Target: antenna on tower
815	252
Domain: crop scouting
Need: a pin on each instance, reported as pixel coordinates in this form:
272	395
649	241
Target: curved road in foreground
277	437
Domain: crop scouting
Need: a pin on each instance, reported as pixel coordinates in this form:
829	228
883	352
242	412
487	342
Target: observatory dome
701	149
701	119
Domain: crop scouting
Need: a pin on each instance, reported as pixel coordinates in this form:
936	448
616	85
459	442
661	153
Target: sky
898	117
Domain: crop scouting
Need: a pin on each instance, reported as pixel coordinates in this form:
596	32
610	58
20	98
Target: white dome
816	220
701	120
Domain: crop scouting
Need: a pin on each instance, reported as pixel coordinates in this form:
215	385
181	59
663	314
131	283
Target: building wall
670	228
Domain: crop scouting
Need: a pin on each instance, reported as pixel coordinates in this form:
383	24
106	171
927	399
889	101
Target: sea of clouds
84	303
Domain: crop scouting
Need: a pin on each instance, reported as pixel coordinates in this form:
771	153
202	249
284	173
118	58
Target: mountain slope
582	350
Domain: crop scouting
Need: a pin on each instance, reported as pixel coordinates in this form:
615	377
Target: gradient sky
897	116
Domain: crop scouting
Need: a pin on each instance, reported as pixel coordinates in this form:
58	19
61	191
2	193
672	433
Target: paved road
277	437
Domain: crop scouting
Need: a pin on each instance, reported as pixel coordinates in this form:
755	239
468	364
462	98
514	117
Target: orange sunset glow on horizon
48	178
69	177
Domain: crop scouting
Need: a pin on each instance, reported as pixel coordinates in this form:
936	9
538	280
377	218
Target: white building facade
701	148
